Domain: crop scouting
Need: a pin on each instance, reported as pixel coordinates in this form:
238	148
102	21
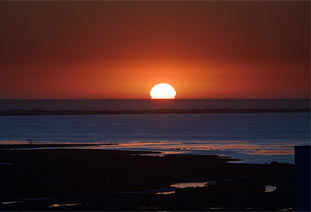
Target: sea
248	137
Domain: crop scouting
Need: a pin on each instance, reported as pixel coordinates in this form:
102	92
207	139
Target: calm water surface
255	138
148	104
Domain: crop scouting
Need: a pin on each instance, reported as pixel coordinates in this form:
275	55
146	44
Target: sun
163	91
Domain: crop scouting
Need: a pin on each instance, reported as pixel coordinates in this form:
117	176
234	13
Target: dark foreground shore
77	179
156	111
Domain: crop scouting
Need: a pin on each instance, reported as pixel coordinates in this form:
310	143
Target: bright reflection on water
165	193
190	185
10	202
259	152
270	188
56	205
246	151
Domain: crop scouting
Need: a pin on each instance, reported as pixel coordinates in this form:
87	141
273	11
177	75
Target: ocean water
148	104
250	137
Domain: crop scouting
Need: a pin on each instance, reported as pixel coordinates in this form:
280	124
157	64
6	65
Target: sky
204	49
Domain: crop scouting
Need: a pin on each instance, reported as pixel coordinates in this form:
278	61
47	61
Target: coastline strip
157	111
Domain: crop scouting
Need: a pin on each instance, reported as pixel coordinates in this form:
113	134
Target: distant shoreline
156	111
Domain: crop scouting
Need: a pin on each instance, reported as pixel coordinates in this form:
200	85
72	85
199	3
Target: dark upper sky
248	49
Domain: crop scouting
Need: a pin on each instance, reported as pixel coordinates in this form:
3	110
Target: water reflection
204	147
169	190
257	152
215	208
10	202
190	185
165	193
56	205
246	151
270	188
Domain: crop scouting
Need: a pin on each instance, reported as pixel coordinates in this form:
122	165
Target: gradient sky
248	49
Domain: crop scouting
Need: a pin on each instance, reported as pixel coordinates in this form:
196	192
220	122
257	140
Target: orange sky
118	49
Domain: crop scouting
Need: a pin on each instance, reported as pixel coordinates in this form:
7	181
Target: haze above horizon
120	50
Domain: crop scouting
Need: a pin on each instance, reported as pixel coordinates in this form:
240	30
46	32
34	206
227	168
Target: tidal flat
97	179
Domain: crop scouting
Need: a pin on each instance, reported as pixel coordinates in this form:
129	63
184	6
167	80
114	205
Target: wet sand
86	179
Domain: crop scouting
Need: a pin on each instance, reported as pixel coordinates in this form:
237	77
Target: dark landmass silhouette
32	144
156	111
114	180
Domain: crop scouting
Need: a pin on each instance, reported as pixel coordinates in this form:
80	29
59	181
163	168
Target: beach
96	179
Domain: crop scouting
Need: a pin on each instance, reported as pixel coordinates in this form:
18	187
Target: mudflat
93	179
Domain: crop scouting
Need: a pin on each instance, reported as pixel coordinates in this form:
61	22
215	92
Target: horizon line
171	99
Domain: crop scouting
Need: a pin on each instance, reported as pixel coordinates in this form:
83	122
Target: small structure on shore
302	178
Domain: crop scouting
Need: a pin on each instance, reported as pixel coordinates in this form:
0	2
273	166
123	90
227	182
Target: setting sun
163	91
